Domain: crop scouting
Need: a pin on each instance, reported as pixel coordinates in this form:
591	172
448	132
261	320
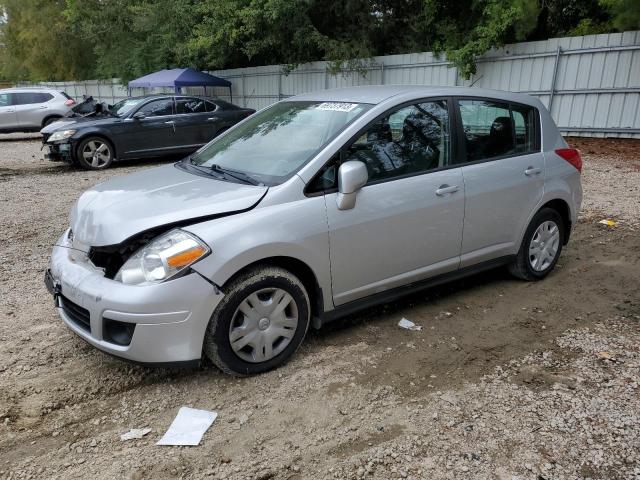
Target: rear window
64	94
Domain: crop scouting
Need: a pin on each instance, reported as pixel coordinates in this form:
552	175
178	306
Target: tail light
70	103
571	155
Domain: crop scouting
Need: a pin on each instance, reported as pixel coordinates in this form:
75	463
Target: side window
190	105
5	99
212	107
156	108
326	179
488	129
409	140
524	122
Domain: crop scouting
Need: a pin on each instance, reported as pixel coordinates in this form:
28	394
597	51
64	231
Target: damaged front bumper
156	324
58	152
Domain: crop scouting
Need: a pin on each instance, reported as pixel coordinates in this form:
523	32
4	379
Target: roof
178	77
379	93
30	89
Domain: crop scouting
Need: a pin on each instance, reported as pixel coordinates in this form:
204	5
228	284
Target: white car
29	109
311	209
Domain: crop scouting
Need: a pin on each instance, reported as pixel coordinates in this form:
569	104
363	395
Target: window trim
339	155
462	147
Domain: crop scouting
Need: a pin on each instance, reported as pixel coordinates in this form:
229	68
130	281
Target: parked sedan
140	127
311	209
29	109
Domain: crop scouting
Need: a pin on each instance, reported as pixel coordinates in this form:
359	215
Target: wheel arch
98	135
49	117
562	207
298	268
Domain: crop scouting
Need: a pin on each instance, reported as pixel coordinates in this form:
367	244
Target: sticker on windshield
337	106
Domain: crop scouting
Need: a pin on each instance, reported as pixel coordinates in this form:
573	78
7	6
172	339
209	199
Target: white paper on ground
188	427
408	324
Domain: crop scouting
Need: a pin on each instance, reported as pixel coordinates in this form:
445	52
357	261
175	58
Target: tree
38	44
61	39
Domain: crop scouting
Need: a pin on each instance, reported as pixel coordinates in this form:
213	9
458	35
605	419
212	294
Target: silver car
29	109
309	210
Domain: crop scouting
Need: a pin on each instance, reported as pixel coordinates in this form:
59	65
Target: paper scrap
134	433
409	325
188	427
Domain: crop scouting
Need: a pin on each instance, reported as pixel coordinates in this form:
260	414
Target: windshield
125	106
273	144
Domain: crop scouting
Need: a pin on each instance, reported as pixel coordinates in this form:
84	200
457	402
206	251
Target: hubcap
96	153
544	245
263	325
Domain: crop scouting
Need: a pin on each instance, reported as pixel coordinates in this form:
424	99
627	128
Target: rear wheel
541	246
50	120
260	322
95	153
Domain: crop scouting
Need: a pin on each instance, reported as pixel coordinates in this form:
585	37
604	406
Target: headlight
61	135
162	258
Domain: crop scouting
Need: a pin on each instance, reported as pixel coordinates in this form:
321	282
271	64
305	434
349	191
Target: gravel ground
507	380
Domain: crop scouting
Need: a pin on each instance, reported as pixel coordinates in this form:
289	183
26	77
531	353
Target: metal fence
591	84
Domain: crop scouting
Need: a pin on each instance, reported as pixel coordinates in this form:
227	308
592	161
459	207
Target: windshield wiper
243	177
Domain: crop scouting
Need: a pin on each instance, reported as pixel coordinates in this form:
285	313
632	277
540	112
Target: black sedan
139	127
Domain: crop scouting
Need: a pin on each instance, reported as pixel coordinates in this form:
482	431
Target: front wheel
260	322
541	246
95	153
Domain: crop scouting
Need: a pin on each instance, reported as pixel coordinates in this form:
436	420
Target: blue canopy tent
178	78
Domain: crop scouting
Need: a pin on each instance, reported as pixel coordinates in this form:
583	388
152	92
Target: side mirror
352	176
138	116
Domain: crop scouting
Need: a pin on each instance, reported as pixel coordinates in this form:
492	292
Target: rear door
503	169
8	116
193	127
407	221
152	135
30	108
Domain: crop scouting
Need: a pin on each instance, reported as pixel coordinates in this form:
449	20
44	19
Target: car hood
67	123
114	211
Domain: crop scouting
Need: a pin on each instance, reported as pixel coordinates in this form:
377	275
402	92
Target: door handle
171	122
212	119
446	189
532	171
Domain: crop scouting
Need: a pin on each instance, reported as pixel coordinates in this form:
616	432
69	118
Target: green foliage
625	13
63	39
38	44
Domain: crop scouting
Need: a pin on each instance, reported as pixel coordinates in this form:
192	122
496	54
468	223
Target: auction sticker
337	106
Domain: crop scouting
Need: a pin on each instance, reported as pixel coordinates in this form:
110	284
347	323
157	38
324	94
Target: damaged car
309	210
96	134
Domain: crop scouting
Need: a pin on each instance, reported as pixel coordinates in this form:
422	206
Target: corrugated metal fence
591	84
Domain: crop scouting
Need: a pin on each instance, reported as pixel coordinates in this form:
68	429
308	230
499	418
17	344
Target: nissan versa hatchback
309	210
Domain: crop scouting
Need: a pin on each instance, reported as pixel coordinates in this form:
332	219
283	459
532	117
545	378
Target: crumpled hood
117	209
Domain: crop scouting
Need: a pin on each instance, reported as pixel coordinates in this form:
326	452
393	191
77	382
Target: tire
541	246
95	153
263	336
50	120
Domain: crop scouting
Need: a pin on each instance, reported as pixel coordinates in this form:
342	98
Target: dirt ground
506	380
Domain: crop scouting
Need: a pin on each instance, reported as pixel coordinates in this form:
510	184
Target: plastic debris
608	222
408	325
134	433
188	427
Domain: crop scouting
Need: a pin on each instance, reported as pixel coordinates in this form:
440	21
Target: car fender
296	230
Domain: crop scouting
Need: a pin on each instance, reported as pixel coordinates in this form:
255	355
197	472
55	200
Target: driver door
407	221
154	134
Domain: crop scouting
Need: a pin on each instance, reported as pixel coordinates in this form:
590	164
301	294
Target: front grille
77	314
